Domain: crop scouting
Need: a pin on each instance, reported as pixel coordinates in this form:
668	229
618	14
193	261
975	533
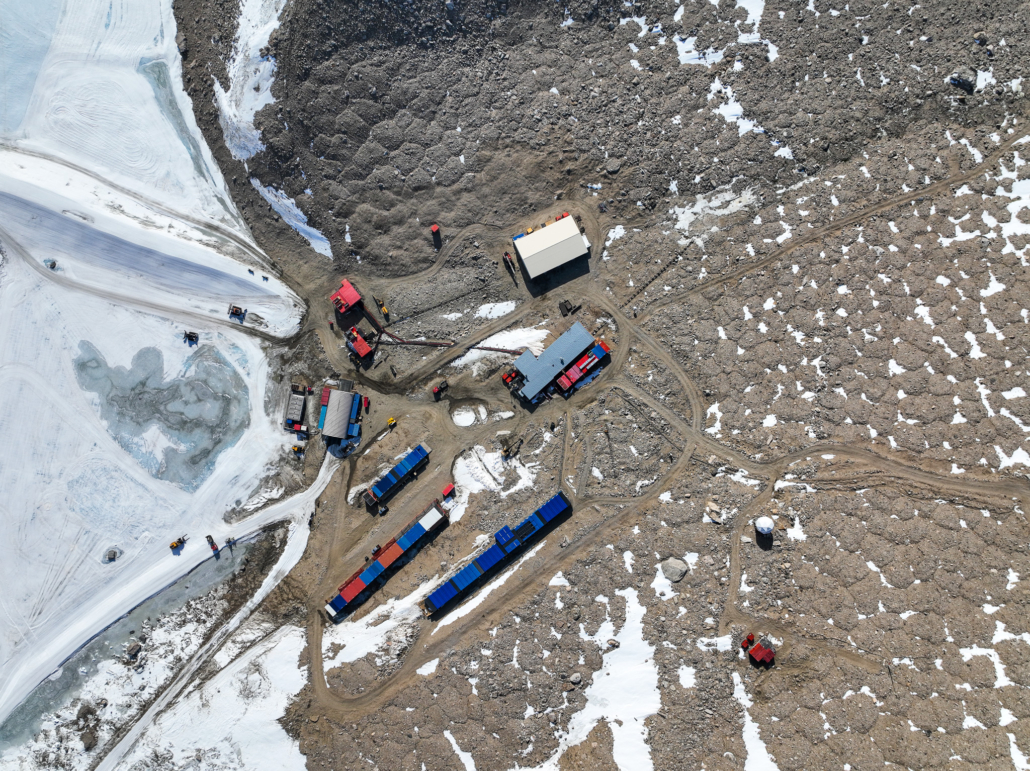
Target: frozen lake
174	427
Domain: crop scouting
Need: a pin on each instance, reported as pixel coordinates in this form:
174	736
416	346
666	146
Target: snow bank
485	592
512	339
495	310
250	77
387	627
477	471
287	208
758	757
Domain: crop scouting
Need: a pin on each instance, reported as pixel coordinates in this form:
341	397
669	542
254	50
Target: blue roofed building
539	372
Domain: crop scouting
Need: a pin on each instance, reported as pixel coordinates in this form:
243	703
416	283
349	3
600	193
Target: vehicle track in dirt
835	226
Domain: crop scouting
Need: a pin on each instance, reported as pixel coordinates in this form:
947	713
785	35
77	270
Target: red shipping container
448	491
353	589
564	383
390	556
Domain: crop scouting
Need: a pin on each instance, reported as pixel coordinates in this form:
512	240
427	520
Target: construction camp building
551	246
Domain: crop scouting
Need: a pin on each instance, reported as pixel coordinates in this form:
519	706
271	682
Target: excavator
178	543
382	308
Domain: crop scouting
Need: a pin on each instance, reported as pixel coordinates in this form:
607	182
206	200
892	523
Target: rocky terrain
809	227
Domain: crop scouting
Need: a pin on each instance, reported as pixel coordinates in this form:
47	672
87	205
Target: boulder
674	569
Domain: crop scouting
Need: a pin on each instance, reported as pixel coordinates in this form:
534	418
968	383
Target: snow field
230	723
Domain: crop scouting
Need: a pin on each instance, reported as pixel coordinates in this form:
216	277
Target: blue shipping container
442	596
321	416
409	538
466	576
489	558
338	603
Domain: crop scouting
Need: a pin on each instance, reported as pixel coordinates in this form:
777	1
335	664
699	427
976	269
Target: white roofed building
551	247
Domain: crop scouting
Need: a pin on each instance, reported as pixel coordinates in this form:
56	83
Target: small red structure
435	229
357	343
448	491
346	297
366	404
761	655
746	642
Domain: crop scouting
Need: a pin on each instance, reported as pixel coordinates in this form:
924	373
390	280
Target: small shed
551	247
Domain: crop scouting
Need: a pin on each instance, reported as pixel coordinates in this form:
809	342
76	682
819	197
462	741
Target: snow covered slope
113	433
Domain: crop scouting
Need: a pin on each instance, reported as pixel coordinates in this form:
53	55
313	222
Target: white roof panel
548	248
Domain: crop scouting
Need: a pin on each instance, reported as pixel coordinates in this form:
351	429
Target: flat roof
552	246
337	414
538	373
295	408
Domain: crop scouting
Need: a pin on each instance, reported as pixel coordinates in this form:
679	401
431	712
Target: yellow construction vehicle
391	422
382	307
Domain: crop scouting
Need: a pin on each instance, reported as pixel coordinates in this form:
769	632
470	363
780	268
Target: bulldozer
391	422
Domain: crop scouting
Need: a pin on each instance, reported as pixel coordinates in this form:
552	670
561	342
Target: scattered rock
576	677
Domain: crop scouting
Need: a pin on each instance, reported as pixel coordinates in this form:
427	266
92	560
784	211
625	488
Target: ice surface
108	173
101	88
25	36
197	415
